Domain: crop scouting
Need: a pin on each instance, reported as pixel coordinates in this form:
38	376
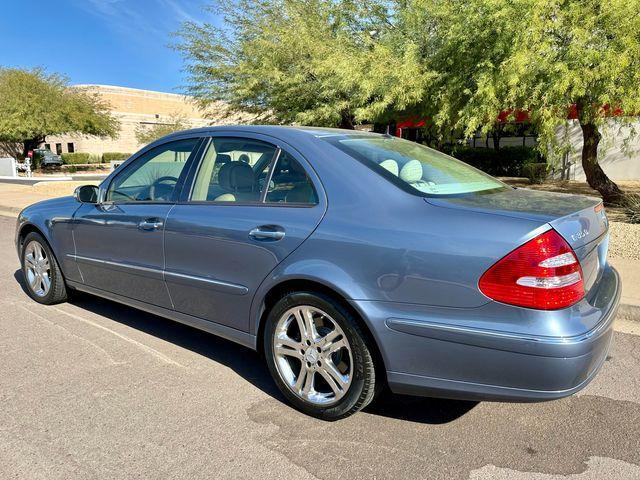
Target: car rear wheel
41	271
318	356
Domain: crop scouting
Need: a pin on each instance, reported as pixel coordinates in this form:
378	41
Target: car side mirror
86	194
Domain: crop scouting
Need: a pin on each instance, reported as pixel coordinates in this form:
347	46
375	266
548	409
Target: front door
250	206
119	242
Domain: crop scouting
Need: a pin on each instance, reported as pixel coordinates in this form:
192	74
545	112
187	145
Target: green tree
298	61
542	56
34	104
148	133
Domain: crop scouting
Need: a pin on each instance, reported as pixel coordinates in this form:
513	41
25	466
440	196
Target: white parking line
142	346
67	332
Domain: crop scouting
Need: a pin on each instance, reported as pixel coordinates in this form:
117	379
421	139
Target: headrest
237	177
390	165
412	171
223	158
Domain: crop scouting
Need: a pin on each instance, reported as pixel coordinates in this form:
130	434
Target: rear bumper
448	353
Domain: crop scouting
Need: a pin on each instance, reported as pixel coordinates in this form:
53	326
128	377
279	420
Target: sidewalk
629	270
14	197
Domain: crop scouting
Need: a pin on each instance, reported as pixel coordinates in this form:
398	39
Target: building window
70	147
58	148
47	146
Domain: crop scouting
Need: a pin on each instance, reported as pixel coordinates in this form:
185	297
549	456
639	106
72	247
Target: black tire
57	291
362	389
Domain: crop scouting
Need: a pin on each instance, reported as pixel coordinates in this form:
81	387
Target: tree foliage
149	133
541	56
457	62
308	62
34	104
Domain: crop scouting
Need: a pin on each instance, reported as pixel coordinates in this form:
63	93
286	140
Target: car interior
232	170
236	170
154	176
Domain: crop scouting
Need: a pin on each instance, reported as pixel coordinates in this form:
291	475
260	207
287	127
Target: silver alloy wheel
312	355
37	269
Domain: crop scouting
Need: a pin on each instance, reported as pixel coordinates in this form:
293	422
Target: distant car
350	260
47	157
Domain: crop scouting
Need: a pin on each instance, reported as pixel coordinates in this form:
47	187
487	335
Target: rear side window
239	170
414	167
290	183
233	170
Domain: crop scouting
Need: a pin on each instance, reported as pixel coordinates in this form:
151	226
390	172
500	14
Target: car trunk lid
580	220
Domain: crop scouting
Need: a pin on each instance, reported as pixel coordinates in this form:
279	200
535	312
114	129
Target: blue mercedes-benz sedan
352	261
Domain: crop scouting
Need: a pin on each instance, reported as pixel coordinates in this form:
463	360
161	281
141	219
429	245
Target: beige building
136	109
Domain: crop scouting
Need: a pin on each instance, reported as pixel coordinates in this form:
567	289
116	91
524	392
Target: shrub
81	167
114	156
505	162
36	160
535	172
75	158
632	207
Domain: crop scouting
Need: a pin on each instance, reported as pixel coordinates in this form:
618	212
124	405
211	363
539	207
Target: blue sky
114	42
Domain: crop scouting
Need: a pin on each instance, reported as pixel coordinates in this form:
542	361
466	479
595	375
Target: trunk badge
580	234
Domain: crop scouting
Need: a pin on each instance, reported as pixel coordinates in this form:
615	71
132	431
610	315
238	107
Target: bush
36	160
75	158
535	172
506	162
632	207
114	156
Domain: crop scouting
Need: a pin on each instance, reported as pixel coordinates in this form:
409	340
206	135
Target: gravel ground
625	240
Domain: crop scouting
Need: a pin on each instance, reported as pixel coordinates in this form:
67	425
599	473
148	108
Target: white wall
617	161
8	167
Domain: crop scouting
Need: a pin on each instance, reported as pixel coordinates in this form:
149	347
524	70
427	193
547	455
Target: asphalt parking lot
91	389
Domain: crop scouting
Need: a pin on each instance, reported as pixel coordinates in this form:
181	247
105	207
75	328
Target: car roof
281	131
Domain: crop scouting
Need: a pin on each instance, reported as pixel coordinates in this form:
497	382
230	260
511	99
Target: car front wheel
41	271
318	356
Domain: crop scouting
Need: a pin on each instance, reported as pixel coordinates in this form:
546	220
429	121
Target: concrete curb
9	211
76	177
33	180
629	312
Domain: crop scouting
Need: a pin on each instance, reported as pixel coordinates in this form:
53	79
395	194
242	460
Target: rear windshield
414	167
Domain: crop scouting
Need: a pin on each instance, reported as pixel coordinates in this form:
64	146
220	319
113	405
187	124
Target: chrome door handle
150	224
267	233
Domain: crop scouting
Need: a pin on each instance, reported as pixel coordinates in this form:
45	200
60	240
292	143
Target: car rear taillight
544	273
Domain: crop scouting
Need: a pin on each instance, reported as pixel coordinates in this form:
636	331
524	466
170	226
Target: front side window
153	177
412	166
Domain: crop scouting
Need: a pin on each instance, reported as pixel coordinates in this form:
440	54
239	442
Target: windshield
412	166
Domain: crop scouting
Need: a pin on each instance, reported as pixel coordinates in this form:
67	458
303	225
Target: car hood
53	202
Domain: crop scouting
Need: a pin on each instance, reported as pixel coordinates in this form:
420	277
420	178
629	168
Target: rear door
119	242
251	204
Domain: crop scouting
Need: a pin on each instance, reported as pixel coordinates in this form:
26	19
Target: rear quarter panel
415	253
379	243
